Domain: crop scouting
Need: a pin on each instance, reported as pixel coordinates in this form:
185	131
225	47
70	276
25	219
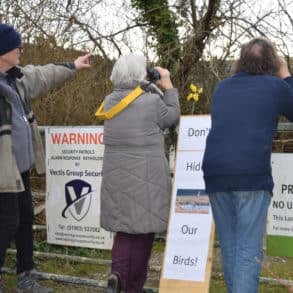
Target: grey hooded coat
136	185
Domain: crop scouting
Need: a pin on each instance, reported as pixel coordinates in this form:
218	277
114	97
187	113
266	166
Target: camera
153	74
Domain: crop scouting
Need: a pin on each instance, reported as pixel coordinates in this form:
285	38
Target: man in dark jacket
20	148
237	159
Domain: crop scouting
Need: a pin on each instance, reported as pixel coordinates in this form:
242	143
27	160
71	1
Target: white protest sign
188	169
190	222
280	213
74	157
193	133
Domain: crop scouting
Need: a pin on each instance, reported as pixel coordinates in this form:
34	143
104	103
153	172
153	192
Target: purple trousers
130	257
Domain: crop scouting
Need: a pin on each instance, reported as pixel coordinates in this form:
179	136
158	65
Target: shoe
27	284
113	285
1	286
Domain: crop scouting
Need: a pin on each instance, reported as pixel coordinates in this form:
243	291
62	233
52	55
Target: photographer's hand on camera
165	81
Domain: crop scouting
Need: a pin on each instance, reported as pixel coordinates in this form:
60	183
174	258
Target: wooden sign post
189	249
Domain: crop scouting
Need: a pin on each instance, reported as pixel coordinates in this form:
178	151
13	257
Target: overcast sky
112	23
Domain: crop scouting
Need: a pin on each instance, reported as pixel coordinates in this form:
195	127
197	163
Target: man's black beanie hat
9	38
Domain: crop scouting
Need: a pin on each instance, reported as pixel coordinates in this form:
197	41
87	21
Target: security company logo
78	195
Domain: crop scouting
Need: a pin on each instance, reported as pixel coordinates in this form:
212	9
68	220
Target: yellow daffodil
193	87
194	95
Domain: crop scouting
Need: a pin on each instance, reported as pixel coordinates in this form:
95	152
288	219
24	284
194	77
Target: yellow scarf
119	106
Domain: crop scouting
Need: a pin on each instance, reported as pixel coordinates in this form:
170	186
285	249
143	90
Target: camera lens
153	74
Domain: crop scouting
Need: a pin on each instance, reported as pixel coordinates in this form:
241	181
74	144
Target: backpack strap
119	106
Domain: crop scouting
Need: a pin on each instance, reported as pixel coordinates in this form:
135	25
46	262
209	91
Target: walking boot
27	284
113	284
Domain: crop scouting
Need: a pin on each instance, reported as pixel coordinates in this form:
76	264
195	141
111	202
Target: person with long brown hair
237	159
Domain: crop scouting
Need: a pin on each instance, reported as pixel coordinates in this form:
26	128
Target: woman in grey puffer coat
136	185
